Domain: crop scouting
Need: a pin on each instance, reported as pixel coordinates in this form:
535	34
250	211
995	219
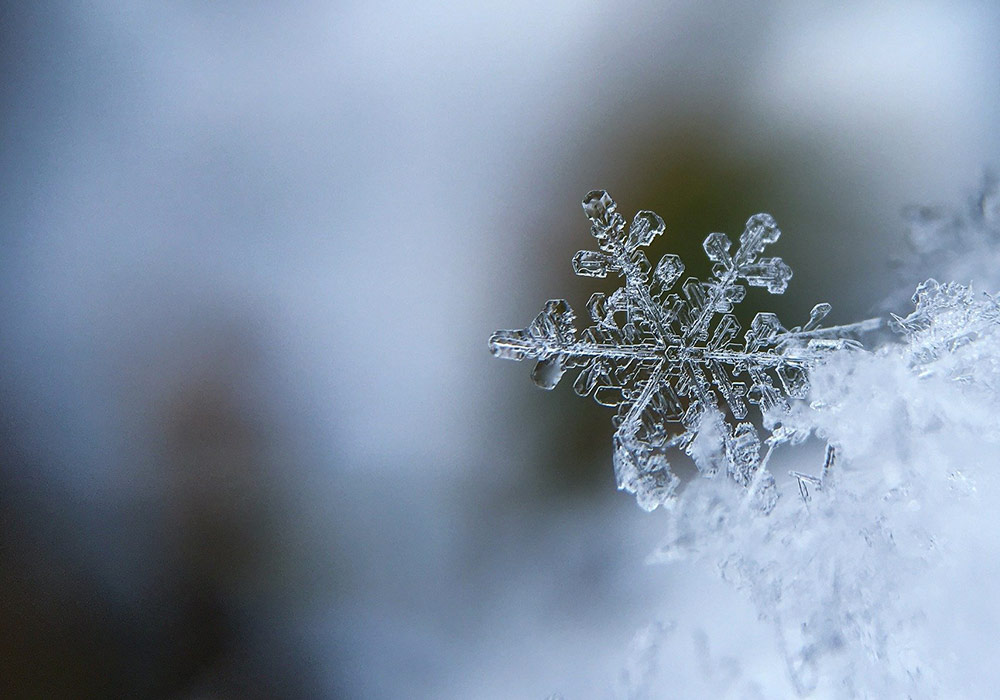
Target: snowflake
669	360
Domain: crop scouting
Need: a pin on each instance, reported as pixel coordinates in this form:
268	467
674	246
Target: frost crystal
942	329
670	359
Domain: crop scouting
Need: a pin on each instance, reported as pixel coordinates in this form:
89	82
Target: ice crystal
943	332
669	357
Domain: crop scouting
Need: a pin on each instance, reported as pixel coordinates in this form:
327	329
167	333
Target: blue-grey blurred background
252	441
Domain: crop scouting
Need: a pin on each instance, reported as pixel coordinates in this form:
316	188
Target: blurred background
252	441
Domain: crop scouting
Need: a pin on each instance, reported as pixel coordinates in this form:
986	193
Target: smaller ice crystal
947	318
672	357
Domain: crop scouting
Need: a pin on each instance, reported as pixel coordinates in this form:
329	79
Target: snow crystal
674	367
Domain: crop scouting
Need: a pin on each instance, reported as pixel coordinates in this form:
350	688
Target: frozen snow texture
670	358
878	578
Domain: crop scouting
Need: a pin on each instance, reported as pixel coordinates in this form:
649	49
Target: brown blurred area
201	624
